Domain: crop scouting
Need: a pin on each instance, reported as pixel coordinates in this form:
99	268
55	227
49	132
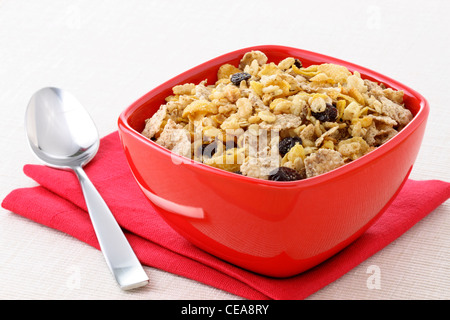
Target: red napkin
58	203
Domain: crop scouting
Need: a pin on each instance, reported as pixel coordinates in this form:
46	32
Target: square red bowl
273	228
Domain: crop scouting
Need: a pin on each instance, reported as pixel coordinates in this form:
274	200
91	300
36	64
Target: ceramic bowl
277	229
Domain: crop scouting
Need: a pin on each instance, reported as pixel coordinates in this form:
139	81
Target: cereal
174	137
260	164
199	108
251	56
278	120
285	174
281	122
322	161
226	71
153	125
353	148
181	89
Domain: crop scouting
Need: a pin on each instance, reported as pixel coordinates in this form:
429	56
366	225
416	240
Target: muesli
278	121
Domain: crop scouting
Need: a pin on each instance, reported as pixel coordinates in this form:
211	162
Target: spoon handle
118	253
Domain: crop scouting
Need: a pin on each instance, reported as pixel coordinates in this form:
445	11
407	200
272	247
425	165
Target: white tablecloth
109	53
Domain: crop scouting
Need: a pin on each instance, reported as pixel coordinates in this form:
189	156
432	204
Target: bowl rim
418	119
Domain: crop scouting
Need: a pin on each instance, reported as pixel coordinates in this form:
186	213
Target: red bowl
273	228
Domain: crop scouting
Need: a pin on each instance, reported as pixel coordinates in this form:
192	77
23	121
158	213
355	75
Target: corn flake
332	115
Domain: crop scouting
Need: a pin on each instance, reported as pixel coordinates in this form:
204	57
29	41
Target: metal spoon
62	134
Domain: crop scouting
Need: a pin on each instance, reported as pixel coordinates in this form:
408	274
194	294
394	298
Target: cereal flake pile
280	122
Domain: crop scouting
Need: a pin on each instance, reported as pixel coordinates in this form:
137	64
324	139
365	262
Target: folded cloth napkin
58	203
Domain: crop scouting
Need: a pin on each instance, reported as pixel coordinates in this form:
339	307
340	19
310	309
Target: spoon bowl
62	135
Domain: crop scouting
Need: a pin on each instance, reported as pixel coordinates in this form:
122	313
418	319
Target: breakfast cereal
278	121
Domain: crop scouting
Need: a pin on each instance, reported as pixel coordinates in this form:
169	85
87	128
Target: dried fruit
240	76
328	115
331	115
285	174
287	143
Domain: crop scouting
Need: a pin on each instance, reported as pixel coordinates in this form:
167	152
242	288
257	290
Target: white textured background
108	53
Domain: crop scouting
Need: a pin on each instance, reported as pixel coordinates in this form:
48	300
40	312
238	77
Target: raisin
285	174
298	63
240	76
287	143
328	115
